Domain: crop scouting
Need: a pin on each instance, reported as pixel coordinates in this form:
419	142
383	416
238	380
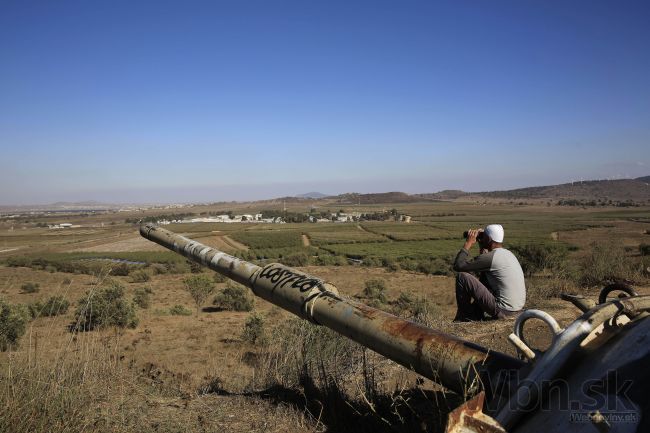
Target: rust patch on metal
366	311
420	335
434	350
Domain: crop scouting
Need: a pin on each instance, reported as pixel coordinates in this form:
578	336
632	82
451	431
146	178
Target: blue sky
143	101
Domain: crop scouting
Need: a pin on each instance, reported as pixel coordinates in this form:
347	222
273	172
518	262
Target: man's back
506	279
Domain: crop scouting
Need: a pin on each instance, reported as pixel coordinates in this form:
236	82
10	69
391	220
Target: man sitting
501	291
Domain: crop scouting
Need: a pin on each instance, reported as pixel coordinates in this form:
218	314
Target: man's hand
471	238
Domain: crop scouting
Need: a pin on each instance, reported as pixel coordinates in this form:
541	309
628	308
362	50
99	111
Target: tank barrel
445	359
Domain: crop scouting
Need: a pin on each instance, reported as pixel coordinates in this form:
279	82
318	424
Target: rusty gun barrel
445	359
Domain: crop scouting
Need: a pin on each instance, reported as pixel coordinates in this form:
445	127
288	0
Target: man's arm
464	264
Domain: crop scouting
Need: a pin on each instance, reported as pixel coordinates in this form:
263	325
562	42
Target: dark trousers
474	300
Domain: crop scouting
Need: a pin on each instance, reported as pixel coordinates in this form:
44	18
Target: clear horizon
134	102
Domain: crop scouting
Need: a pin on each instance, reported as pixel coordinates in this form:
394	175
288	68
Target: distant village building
225	218
61	226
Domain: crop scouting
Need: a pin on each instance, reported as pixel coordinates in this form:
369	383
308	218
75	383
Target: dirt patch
217	242
233	243
136	243
305	240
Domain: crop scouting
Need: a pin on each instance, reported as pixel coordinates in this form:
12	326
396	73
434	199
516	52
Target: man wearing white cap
501	291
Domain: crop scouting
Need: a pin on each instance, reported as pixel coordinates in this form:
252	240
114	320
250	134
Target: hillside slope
636	190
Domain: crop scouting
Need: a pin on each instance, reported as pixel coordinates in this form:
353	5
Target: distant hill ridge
313	194
637	190
620	190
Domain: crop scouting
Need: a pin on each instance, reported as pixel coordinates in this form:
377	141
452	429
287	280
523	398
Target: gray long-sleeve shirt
503	273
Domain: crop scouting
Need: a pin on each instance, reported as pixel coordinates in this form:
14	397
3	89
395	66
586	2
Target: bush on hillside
254	332
375	290
13	322
180	310
104	307
142	297
605	263
140	276
298	259
234	297
535	258
195	268
199	287
29	288
53	306
120	270
158	268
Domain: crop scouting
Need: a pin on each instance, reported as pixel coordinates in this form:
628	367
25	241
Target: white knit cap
495	232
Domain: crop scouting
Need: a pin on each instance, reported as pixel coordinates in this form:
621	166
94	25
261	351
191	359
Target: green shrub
199	287
298	259
254	332
234	297
409	264
54	306
195	268
51	269
120	270
140	276
66	281
13	321
177	267
535	258
372	262
390	264
142	297
435	266
29	288
158	268
218	278
417	309
375	289
104	307
179	310
34	309
605	263
19	261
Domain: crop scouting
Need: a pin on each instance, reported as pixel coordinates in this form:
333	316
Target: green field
324	234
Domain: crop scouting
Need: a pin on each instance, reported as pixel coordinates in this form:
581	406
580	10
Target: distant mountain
637	190
87	203
447	194
376	198
312	195
59	206
620	190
